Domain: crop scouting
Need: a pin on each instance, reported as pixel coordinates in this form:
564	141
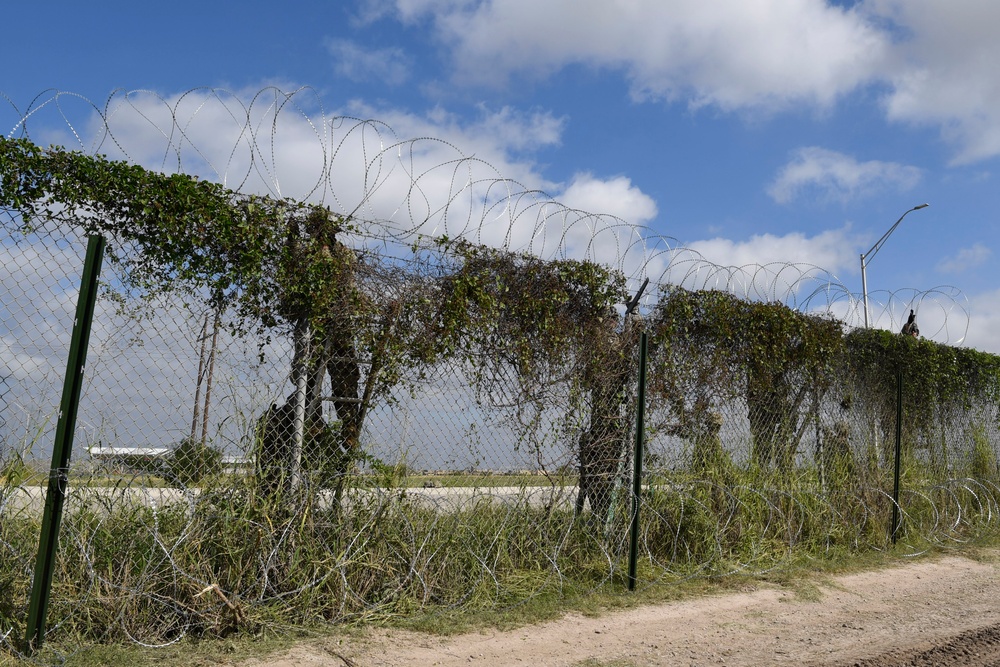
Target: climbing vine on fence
550	325
522	312
188	231
442	354
712	347
941	382
550	329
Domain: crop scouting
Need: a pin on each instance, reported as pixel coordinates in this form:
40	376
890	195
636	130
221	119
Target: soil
942	611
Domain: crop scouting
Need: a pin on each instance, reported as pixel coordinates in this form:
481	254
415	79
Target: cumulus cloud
837	176
615	196
934	61
444	175
833	249
613	237
515	130
357	63
256	140
984	322
943	73
965	259
369	11
793	268
740	53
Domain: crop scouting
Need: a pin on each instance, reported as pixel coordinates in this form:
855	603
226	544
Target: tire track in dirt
975	648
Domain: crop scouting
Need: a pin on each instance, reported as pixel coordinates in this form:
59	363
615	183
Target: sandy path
844	620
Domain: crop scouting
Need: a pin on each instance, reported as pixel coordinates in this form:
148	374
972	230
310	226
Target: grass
801	581
241	570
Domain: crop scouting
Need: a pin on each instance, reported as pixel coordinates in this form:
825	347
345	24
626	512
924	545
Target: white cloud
833	249
261	140
984	323
615	196
615	238
369	11
439	174
794	268
492	135
514	130
740	53
934	61
356	63
838	176
965	259
943	72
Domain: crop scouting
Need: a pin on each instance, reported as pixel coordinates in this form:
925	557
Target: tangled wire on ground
138	569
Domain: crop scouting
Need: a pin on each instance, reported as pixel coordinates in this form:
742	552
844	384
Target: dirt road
927	612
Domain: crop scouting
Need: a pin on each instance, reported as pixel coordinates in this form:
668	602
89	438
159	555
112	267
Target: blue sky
749	130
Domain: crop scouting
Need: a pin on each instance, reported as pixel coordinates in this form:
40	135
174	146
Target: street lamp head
871	253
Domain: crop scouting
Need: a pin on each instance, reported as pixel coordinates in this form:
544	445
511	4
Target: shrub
191	461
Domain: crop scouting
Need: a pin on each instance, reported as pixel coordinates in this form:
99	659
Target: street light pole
865	256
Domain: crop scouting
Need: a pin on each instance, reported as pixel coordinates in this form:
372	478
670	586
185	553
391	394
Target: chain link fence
324	471
225	481
430	423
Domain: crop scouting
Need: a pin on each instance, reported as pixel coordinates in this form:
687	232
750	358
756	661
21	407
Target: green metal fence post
640	437
55	494
898	457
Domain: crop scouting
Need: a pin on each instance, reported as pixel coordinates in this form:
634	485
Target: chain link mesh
352	460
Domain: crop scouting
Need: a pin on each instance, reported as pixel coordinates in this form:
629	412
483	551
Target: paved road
32	498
